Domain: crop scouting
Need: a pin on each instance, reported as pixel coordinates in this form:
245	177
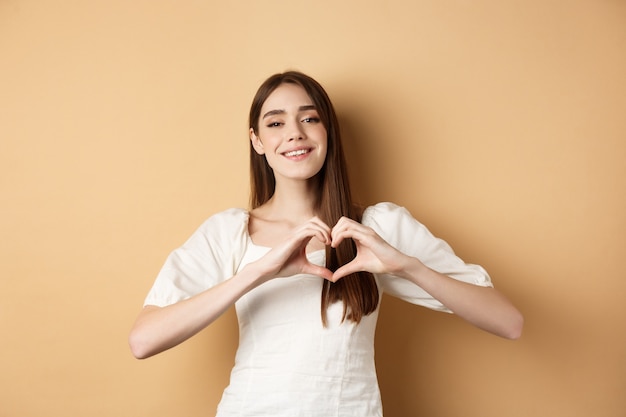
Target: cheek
323	155
325	145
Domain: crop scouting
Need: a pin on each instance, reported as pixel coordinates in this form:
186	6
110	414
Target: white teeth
296	153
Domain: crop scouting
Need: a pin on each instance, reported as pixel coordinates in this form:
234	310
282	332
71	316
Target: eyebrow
281	111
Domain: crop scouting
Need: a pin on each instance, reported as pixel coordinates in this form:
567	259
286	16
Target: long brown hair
358	291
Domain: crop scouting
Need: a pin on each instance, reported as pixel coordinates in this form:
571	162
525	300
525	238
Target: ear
256	143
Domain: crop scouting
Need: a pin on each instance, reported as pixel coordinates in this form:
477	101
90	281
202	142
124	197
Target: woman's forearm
484	307
160	328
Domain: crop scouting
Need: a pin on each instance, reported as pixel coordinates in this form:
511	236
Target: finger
345	228
316	227
324	237
320	223
320	271
348	233
302	236
345	270
344	222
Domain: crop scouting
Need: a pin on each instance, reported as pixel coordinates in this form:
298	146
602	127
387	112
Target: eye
274	124
311	120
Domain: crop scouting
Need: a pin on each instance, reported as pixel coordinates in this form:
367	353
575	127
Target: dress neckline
267	248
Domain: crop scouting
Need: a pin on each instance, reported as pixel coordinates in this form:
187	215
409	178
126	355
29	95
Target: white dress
287	363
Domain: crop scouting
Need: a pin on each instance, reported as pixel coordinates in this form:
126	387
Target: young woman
306	269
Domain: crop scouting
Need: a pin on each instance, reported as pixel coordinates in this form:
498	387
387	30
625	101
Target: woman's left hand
373	255
484	307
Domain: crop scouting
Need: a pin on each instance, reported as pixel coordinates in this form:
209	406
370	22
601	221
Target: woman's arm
483	307
160	328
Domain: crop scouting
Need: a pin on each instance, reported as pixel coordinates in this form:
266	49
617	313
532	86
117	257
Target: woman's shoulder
390	219
233	213
228	221
384	209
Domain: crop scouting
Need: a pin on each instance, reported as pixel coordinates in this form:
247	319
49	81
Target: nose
296	132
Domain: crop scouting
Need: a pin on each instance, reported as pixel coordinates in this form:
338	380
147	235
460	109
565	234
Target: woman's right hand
159	328
289	257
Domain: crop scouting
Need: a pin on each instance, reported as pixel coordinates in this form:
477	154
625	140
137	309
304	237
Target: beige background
500	125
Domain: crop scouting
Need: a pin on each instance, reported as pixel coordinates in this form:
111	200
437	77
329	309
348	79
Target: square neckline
268	248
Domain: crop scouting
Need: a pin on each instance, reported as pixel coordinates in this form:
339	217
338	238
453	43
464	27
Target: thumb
347	269
320	271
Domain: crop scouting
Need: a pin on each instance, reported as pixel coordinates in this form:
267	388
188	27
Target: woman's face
290	134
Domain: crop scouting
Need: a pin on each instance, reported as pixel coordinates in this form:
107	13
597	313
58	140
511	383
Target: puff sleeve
396	225
210	256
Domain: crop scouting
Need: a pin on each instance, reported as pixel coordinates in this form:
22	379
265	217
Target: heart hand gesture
289	257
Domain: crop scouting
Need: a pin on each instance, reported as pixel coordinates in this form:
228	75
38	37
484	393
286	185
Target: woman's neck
292	201
289	207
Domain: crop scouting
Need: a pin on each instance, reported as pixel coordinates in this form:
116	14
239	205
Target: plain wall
500	125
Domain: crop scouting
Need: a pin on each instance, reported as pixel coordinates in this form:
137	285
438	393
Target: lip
307	150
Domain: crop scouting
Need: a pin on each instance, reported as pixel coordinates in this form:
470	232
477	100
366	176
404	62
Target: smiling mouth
297	152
